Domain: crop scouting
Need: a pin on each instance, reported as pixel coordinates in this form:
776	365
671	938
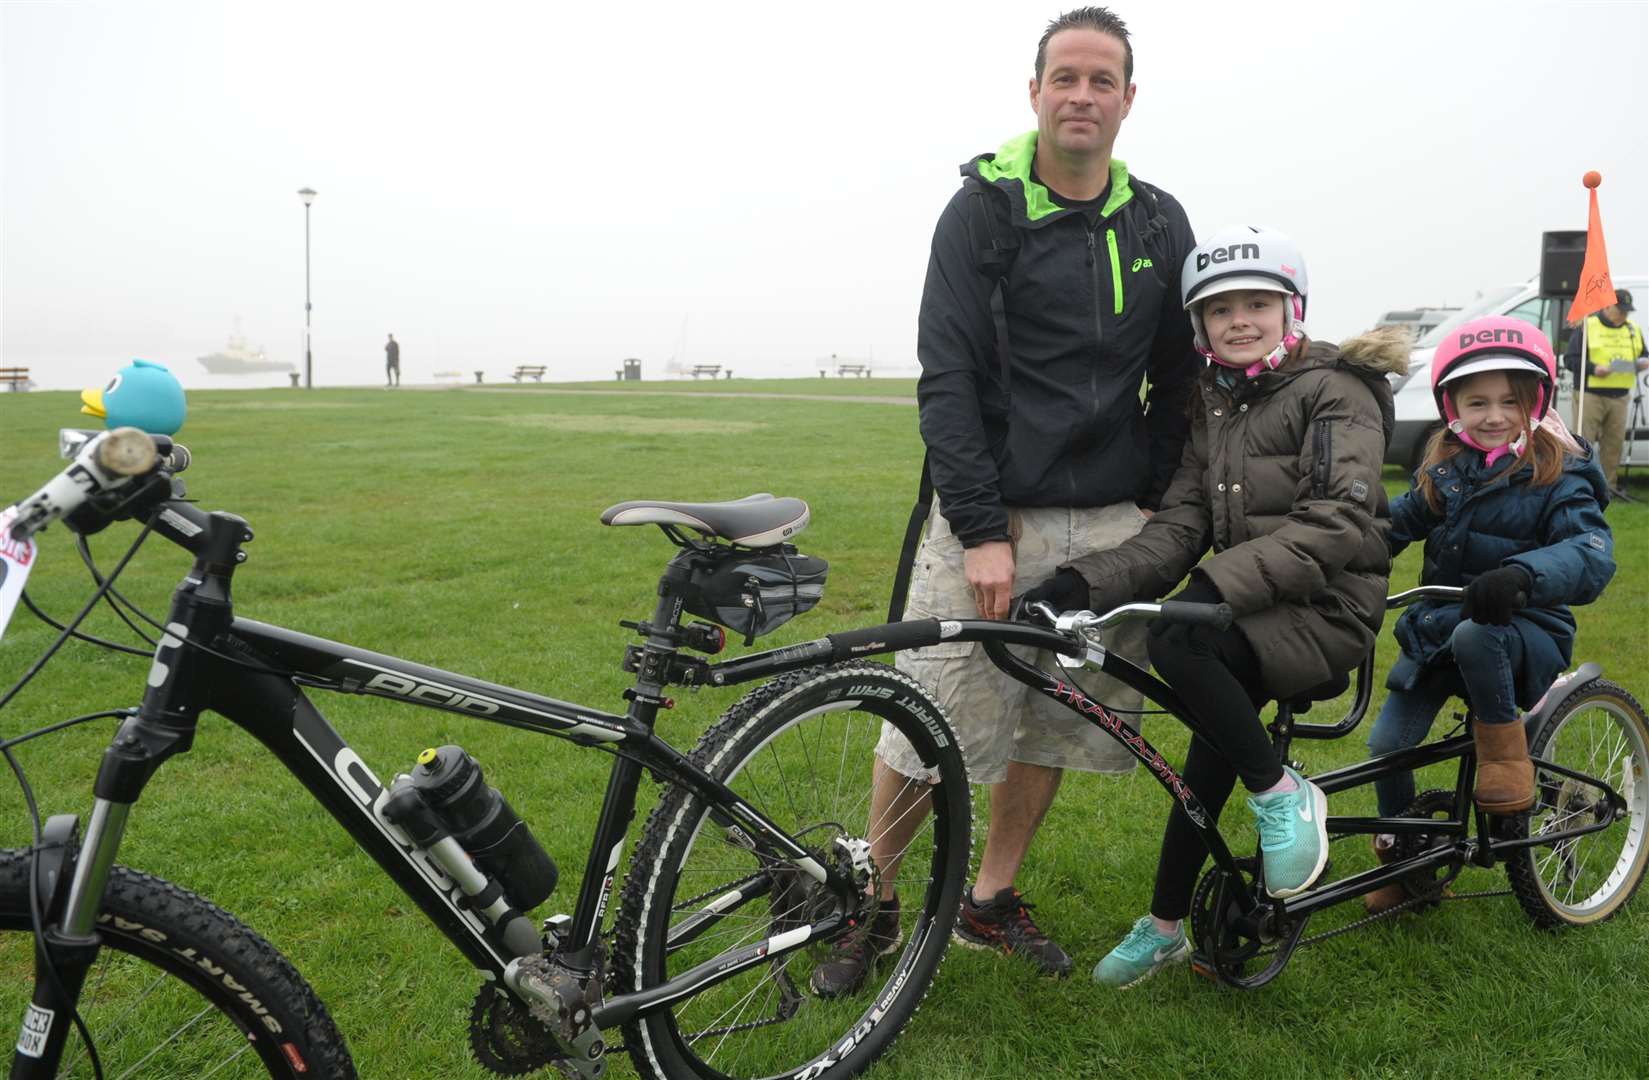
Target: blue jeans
1486	662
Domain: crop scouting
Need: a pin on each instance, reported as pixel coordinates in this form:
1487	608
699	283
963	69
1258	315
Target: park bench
711	370
532	371
15	378
862	370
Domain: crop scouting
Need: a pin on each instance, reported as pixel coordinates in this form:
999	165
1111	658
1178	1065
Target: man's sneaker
856	953
1293	835
1003	923
1142	954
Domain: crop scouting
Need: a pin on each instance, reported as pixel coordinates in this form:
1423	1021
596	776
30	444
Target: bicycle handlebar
1424	592
1218	616
106	461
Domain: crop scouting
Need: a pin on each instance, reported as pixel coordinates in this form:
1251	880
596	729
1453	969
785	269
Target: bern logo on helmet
1489	337
1226	254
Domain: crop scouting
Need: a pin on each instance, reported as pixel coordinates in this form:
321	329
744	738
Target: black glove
1067	590
1492	597
1199	589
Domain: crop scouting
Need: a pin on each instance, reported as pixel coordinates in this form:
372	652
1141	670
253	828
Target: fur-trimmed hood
1371	357
1384	350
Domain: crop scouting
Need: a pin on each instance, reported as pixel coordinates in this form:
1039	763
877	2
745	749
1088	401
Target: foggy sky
749	184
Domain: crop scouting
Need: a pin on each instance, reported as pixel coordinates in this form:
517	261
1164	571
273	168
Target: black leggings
1217	676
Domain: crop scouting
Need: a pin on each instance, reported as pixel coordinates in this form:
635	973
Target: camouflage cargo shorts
998	719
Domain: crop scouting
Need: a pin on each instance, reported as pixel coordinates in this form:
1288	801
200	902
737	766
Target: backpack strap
995	246
1156	227
913	539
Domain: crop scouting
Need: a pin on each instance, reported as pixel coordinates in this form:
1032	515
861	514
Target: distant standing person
392	362
1617	355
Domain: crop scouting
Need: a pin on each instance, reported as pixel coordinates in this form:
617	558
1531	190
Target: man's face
1082	98
1615	314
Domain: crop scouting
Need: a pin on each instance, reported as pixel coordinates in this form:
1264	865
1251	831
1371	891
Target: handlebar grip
889	637
127	451
1184	611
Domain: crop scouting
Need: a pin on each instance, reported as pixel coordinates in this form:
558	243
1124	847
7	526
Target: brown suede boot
1386	897
1505	778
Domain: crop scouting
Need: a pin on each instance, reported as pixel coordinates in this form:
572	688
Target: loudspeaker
1561	254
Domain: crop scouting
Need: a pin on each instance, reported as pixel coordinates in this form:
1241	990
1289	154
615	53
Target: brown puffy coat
1281	478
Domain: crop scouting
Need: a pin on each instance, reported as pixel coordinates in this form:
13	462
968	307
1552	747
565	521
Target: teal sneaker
1142	954
1293	836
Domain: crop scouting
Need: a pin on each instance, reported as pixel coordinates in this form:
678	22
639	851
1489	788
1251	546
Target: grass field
459	528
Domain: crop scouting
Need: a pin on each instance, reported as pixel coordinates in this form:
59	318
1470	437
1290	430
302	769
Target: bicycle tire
1600	731
764	738
173	961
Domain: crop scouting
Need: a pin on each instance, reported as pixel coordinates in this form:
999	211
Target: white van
1417	410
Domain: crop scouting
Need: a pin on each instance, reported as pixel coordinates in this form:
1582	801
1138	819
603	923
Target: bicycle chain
1370	920
719	890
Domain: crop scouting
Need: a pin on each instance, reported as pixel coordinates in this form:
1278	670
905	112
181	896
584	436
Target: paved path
868	399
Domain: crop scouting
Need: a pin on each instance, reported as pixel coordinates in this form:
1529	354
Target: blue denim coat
1493	517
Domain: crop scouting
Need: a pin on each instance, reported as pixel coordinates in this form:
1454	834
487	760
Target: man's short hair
1101	19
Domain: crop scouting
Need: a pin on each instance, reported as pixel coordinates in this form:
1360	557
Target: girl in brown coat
1281	479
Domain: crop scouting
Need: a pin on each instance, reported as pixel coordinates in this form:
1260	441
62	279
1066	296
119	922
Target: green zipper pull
1116	271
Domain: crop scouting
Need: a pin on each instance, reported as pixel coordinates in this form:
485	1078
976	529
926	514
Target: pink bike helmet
1492	343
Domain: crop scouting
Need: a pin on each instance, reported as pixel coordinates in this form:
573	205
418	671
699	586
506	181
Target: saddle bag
751	592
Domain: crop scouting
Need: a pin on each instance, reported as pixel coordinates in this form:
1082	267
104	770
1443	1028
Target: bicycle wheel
800	749
180	989
1600	731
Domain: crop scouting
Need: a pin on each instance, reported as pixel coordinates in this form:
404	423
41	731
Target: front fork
69	913
179	677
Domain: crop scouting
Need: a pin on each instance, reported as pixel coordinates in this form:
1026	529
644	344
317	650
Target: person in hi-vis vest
1616	355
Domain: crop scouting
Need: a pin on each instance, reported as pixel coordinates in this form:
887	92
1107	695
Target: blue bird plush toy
143	395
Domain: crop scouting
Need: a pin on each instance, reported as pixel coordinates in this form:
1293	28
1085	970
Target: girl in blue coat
1512	509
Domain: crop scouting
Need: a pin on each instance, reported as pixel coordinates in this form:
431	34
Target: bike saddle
1558	693
754	521
1328	690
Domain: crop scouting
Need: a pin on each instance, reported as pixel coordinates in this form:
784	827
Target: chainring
505	1038
1427	885
1216	940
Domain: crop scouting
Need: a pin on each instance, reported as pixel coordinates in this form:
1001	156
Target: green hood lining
1013	162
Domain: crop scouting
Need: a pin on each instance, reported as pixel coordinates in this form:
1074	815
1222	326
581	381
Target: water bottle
450	783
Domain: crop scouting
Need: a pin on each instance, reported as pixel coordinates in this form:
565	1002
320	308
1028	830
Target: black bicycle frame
1459	747
255	674
996	638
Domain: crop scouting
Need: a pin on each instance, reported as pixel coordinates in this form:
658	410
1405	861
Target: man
1037	456
1616	356
392	362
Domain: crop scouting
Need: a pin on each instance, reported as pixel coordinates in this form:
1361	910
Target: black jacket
1093	312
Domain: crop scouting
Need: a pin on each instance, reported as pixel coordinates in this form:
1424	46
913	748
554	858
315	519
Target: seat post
1282	729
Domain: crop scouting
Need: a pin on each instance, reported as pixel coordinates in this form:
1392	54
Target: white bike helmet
1246	257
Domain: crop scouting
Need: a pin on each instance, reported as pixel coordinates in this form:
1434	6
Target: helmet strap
1514	447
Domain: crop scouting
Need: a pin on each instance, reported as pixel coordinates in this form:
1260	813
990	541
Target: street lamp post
308	196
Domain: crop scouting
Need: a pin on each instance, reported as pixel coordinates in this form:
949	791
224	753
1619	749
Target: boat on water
240	358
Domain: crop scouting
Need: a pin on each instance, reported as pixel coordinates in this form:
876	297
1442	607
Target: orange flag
1596	290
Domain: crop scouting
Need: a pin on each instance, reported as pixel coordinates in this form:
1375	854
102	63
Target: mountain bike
756	859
